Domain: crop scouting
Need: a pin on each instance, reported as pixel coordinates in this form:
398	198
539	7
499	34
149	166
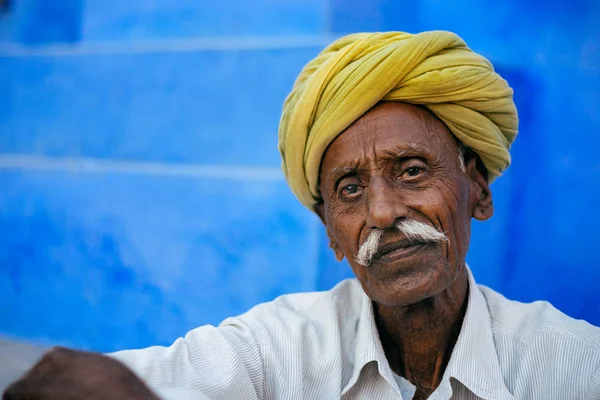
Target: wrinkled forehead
390	129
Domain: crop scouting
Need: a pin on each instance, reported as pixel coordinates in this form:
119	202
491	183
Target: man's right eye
350	190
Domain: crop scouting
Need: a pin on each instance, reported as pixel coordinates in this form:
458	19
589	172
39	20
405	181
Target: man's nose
386	207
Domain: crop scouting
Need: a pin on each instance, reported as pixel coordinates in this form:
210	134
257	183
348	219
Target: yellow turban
435	69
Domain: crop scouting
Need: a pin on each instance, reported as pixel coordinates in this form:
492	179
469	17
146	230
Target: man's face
399	162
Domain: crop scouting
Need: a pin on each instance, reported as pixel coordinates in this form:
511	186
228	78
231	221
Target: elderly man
393	140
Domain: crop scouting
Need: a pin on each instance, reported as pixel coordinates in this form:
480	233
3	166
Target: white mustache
413	230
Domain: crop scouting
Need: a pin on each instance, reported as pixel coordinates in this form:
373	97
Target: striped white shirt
325	345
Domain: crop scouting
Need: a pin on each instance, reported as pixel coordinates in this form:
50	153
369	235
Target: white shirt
325	345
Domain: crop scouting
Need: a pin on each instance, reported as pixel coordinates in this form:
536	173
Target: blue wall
140	192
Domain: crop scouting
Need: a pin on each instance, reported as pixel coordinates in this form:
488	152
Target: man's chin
407	288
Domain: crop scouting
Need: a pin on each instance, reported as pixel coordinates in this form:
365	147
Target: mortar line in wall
167	46
94	165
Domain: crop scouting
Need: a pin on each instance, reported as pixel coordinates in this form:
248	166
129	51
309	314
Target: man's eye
350	190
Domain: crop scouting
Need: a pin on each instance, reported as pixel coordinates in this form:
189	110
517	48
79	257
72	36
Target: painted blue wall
140	192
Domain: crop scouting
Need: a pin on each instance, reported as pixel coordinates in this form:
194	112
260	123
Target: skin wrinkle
456	200
419	297
340	171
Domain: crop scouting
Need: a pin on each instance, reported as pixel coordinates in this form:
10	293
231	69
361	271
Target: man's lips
396	250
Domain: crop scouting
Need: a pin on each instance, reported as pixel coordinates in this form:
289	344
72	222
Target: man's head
396	185
392	139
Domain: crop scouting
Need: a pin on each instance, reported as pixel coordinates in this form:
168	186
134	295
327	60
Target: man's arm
222	362
209	362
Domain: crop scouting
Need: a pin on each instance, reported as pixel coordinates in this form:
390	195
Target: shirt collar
474	361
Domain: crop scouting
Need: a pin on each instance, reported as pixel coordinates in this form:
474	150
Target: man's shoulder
347	294
317	329
324	309
539	326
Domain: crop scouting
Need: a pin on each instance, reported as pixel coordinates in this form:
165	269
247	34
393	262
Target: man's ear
320	210
481	195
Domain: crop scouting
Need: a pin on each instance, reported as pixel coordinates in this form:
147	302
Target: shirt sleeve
209	362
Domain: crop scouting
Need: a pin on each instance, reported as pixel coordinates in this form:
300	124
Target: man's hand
64	374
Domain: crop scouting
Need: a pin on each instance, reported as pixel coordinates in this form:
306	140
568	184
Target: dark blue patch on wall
39	22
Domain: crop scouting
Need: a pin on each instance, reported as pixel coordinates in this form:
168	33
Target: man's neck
418	339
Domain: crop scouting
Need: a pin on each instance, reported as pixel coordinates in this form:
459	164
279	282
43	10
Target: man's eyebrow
407	150
343	170
340	172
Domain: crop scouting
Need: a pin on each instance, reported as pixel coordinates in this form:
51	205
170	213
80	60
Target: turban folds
434	69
